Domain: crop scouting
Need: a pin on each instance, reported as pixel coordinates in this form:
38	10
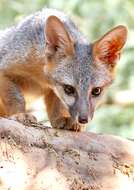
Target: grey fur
17	42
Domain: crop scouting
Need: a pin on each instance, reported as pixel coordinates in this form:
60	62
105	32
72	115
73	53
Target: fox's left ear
57	36
108	48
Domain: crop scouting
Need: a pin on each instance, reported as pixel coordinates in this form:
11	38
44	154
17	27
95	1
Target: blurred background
94	18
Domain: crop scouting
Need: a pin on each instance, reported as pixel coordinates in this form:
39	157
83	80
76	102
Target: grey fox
47	55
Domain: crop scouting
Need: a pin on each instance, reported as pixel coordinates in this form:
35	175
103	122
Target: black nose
83	119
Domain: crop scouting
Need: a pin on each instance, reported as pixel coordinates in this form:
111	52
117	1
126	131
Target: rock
35	157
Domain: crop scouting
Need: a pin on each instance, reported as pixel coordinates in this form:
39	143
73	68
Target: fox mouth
81	119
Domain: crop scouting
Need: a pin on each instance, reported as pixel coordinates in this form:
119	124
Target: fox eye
96	91
69	90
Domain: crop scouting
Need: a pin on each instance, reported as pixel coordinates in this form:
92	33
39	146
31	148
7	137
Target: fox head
80	71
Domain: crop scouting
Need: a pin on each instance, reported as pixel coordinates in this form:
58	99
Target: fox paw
76	127
67	124
24	118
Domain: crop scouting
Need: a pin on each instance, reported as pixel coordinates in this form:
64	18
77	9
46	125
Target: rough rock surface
37	158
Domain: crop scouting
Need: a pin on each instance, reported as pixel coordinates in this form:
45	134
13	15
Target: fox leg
11	99
58	115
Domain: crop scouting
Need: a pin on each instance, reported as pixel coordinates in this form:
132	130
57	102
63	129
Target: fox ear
108	48
57	37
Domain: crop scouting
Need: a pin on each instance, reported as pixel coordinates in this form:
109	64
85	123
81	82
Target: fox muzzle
82	111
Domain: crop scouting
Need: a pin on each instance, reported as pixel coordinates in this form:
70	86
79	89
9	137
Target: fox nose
83	119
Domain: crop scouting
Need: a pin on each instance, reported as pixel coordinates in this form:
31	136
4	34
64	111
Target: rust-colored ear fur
107	49
57	37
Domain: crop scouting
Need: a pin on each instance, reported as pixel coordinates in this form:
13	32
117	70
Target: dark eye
69	90
96	91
